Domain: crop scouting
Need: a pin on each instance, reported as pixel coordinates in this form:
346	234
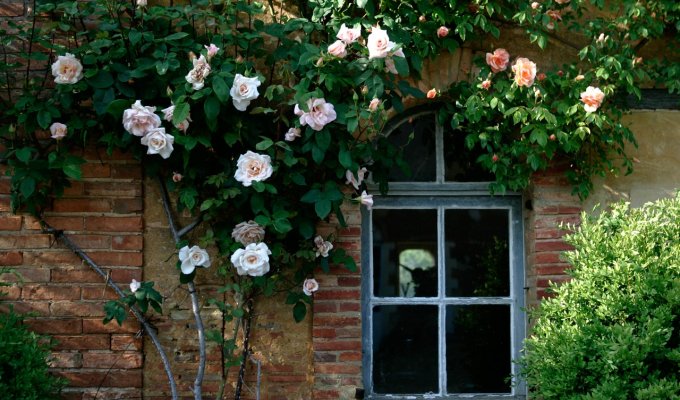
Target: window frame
441	195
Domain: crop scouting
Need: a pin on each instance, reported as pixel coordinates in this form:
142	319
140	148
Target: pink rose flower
139	119
197	74
525	72
442	32
320	113
67	69
486	84
158	142
347	35
58	131
212	50
177	177
292	134
253	167
356	181
338	49
373	105
378	43
323	247
310	286
555	15
592	99
535	5
432	93
365	199
498	60
541	76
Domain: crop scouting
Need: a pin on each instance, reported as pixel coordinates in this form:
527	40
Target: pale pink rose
498	60
252	167
373	105
310	286
323	247
67	69
193	257
243	91
579	77
378	43
486	84
541	77
197	75
602	39
442	32
555	15
525	72
592	99
535	5
134	285
320	113
338	49
432	93
158	142
365	199
253	260
422	19
139	119
58	131
168	114
212	50
292	134
356	180
348	35
248	232
141	3
177	177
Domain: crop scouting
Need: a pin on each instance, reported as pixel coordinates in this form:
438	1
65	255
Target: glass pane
478	349
477	258
417	136
460	162
404	253
405	350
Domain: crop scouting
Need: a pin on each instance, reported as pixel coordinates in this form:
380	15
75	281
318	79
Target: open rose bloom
592	99
243	91
248	232
134	285
323	247
197	75
158	142
67	69
310	286
356	180
252	167
378	43
253	260
193	257
498	60
139	119
348	35
58	131
320	113
525	72
338	49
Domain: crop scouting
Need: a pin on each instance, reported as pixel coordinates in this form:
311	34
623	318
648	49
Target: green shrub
613	331
23	363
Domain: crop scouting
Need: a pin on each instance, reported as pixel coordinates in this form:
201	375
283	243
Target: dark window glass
417	137
478	349
460	162
405	253
477	256
405	349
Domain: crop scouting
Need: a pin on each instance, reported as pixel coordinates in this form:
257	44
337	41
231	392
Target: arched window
443	274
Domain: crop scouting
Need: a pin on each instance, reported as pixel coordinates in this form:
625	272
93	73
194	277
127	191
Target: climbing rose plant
265	121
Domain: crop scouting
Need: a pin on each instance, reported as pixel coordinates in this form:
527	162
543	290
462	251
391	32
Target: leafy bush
23	362
613	331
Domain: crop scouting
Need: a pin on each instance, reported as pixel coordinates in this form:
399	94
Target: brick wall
101	214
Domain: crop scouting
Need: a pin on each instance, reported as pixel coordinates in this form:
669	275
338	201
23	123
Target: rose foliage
264	118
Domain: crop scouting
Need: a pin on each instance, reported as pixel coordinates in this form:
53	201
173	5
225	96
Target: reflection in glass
405	350
404	253
460	162
478	349
417	137
477	257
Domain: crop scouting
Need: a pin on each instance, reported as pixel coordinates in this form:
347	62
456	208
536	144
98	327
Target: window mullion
439	153
441	269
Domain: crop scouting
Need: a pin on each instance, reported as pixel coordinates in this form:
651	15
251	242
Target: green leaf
176	36
102	80
180	113
212	110
323	140
117	107
73	171
401	65
299	311
264	144
24	154
282	225
221	89
322	208
44	119
27	187
345	157
312	196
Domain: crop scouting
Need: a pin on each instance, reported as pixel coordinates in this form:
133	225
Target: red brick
544	283
325	356
122	171
5	186
326	394
548	258
325	307
33	241
112	189
347	306
108	258
125	276
12	9
112	360
551	270
552	233
86	242
51	258
287	378
126	342
128	206
77	309
32	223
82	205
555	222
39	308
10	223
55	326
349	281
131	325
350	356
28	274
8	258
323	332
127	242
114	224
82	275
44	292
552	245
337	345
65	223
95	170
114	378
66	360
98	292
10	292
331	321
76	189
557	209
333	368
338	294
4	203
84	342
